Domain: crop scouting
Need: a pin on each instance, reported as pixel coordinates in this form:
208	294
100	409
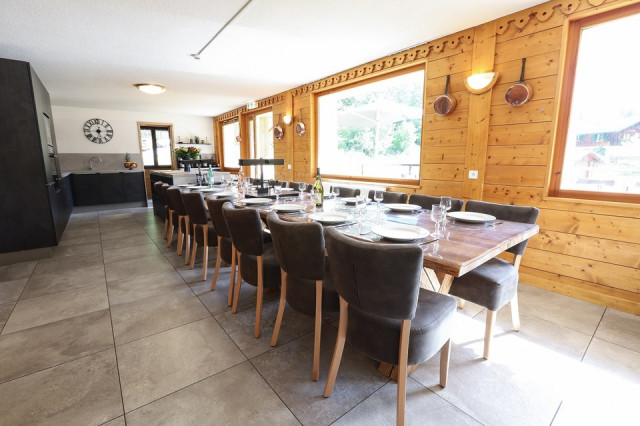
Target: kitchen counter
97	170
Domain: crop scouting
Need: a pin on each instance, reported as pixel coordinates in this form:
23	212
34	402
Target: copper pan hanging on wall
300	127
444	104
520	92
278	131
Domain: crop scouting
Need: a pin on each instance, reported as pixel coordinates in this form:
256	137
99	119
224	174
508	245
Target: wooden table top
463	247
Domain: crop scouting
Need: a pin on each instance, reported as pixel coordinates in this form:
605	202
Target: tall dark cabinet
35	200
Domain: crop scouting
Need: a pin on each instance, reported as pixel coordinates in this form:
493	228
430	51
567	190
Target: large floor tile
563	310
137	266
10	290
5	311
604	389
39	285
144	286
81	392
620	328
144	317
528	379
133	252
94	248
158	365
67	264
423	407
70	240
55	307
288	370
240	326
123	233
27	351
216	301
17	271
207	402
130	241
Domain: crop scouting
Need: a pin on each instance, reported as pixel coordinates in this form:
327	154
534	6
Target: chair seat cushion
301	294
491	285
378	337
271	274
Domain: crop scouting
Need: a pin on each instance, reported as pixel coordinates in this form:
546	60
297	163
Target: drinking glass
335	192
438	214
277	189
377	197
361	208
301	187
445	202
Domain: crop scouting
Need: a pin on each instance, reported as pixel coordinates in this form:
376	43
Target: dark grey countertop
97	170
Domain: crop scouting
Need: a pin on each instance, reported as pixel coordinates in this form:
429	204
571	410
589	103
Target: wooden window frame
220	138
409	183
574	28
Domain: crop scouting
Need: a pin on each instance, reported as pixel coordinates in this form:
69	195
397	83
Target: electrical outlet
473	174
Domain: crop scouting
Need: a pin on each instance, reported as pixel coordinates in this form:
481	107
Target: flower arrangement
190	153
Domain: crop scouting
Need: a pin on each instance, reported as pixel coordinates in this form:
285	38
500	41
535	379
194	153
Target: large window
231	144
373	130
260	130
598	139
156	146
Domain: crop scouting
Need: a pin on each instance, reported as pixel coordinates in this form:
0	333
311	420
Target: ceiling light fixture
150	89
196	56
480	83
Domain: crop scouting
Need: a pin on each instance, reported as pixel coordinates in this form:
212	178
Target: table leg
446	284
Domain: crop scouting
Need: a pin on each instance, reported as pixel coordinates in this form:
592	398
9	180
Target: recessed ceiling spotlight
150	89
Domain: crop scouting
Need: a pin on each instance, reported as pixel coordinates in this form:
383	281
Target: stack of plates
257	201
287	208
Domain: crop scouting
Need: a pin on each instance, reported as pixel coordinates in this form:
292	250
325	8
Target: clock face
98	131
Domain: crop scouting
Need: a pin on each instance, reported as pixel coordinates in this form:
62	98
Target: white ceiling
89	53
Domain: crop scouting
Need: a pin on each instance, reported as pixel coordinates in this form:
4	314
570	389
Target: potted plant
196	139
187	153
128	163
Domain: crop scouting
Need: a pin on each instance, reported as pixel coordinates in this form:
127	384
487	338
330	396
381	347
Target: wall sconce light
287	119
150	89
481	83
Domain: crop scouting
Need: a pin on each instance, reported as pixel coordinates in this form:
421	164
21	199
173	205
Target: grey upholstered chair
201	228
391	197
157	188
347	192
306	281
226	251
495	283
174	198
427	201
257	263
383	311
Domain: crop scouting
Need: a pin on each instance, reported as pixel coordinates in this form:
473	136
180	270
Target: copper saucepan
444	104
300	127
278	131
520	92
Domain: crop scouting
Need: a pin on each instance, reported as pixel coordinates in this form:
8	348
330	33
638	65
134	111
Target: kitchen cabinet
108	188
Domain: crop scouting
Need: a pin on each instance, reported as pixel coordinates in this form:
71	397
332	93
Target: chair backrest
217	218
195	207
391	197
523	214
157	188
175	200
299	247
245	228
427	201
163	191
378	279
347	192
282	183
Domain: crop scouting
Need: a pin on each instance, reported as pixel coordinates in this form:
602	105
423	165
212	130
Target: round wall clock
97	130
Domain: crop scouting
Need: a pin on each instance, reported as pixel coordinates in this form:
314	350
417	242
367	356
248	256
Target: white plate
472	217
329	217
211	190
257	201
400	233
224	194
403	207
352	200
287	208
197	188
287	189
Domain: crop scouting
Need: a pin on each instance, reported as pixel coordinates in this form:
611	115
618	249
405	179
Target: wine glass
361	207
301	187
377	197
335	191
445	202
438	214
277	189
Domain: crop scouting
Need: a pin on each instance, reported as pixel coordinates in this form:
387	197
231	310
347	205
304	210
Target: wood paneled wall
586	249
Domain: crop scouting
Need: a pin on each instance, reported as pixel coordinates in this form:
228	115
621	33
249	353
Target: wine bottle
210	176
318	190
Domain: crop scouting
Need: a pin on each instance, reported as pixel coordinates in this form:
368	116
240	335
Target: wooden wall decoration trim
398	60
270	101
541	13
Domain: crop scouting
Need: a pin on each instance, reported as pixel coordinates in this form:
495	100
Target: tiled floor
115	329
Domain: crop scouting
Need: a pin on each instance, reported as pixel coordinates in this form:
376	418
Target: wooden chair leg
166	223
180	235
460	303
515	313
236	294
488	332
218	261
339	348
205	252
403	353
317	332
283	301
187	238
170	236
194	249
445	353
256	331
234	256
